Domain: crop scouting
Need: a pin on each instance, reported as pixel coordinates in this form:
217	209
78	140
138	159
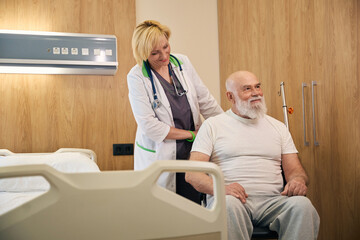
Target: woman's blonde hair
145	37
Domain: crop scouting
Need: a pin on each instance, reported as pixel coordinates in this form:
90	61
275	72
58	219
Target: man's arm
203	182
295	175
200	180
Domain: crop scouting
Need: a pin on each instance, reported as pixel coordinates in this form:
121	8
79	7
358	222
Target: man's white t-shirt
247	150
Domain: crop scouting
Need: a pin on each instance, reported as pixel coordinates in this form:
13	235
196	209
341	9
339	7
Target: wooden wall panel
302	41
337	123
45	112
356	111
253	45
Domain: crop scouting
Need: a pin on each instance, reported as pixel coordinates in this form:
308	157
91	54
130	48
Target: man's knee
300	218
300	203
302	207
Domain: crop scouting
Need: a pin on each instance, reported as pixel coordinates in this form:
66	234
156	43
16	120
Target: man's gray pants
292	218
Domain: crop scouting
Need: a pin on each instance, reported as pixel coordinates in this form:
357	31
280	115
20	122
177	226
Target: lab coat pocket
145	149
144	155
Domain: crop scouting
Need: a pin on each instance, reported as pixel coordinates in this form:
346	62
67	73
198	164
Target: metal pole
282	93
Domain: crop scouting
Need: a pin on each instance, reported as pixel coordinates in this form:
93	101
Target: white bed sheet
12	200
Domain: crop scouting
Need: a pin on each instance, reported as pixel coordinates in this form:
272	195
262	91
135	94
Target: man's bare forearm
200	181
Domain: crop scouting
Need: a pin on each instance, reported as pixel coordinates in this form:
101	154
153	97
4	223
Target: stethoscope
157	103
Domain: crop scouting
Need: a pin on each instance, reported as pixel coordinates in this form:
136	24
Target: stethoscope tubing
156	103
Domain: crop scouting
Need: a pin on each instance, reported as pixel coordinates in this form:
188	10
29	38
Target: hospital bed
83	203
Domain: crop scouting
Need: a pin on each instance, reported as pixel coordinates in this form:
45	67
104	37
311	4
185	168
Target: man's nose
255	92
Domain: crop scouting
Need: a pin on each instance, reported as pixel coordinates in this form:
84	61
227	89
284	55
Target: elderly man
250	147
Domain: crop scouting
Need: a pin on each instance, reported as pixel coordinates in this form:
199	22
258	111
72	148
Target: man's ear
230	96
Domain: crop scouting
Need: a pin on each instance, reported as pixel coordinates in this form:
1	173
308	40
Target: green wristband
193	137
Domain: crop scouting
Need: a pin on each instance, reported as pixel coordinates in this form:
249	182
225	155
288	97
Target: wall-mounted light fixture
57	53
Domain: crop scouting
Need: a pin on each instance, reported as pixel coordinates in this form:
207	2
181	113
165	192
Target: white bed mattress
14	192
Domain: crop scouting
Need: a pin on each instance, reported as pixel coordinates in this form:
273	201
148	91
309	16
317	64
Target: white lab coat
154	125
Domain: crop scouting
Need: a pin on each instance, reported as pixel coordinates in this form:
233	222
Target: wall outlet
123	149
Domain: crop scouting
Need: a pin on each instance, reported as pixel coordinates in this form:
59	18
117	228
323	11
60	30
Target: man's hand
295	175
237	191
296	187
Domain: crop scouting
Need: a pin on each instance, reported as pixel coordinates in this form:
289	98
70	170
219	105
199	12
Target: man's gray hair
229	84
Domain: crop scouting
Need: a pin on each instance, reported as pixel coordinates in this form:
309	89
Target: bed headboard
90	153
67	160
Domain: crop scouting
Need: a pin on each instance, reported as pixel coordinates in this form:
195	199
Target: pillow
68	162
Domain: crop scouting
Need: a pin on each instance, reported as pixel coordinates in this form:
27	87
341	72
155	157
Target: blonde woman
167	97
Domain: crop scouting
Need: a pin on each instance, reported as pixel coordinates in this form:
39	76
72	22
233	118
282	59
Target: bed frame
114	205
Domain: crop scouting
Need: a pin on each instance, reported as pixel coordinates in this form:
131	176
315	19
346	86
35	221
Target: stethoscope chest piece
156	104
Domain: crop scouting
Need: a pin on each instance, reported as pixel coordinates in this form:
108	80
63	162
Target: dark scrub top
183	119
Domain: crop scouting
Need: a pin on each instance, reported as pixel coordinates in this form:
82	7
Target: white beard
251	110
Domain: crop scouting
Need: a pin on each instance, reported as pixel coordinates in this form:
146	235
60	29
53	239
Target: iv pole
282	94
